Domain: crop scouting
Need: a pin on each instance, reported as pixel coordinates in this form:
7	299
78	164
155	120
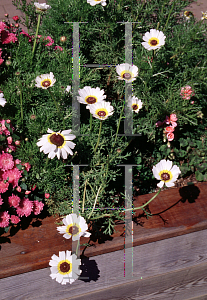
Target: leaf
183	142
23	186
6	229
199	176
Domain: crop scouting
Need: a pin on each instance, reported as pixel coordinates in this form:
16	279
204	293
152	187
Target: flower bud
63	39
18	188
17	143
47	195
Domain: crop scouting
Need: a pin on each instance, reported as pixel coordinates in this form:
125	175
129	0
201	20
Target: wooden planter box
176	211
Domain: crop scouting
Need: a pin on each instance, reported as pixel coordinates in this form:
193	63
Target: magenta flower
3	186
6	161
38	207
4	219
14	176
14	201
7	37
15	219
49	39
25	207
187	92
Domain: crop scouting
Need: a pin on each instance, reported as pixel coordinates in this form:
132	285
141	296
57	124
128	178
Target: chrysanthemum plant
116	111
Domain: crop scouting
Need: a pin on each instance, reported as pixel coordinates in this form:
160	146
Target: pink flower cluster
9	177
187	92
168	131
6	36
4	130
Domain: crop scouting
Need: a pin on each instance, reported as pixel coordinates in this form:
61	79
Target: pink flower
8	121
58	47
174	124
4	219
14	176
15	18
159	124
7	38
27	192
1	61
26	34
1	200
6	161
38	207
3	186
170	136
9	140
17	143
15	219
167	120
13	200
25	207
187	92
18	188
2	26
27	166
47	195
34	187
49	39
173	118
169	129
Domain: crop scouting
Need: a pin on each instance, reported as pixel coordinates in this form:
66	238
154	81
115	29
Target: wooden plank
184	209
173	269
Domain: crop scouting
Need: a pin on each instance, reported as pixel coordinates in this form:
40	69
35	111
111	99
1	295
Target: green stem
140	207
21	100
84	195
117	128
99	134
77	247
91	122
94	205
173	4
54	102
101	216
35	40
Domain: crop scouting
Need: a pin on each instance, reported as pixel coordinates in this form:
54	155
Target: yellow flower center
90	99
57	139
101	112
64	267
73	229
126	74
135	106
46	82
165	175
153	41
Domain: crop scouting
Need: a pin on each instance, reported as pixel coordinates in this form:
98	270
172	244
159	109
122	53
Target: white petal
160	184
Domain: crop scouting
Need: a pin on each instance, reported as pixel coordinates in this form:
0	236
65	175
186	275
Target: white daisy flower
94	2
45	81
166	173
57	143
153	39
127	72
204	17
41	6
65	267
90	95
187	15
101	110
75	227
135	104
2	99
68	89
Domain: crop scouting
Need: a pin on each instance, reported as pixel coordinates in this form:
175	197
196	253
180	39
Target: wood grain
172	269
175	212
